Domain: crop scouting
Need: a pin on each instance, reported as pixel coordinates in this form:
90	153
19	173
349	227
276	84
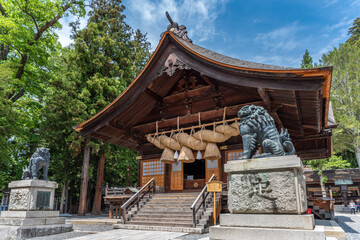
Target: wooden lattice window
238	153
153	169
234	154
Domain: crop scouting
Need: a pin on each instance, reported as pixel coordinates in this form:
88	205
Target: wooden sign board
343	182
214	186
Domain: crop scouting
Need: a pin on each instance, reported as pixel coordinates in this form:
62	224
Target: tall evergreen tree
307	61
92	72
354	33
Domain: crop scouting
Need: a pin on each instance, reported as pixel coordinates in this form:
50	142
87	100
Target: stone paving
121	234
350	223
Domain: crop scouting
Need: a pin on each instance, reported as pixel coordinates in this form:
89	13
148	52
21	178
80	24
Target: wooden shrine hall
184	85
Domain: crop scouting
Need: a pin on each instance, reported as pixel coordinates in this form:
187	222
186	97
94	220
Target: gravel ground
350	223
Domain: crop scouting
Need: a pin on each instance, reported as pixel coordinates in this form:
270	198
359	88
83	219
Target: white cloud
355	3
328	3
340	35
333	43
199	16
280	38
345	22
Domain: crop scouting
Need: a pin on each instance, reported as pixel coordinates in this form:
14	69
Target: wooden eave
150	89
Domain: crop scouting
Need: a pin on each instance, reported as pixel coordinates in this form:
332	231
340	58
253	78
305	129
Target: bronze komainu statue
257	127
40	159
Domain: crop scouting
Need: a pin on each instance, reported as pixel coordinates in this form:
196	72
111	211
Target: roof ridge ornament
179	31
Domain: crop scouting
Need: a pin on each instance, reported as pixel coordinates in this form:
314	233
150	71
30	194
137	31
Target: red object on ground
308	211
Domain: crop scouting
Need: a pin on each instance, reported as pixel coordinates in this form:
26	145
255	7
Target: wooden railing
135	199
202	195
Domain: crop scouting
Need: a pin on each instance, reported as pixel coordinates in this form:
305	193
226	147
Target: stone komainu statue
257	127
40	159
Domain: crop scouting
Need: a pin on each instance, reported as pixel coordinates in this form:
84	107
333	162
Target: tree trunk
84	179
323	189
66	197
96	210
62	198
357	154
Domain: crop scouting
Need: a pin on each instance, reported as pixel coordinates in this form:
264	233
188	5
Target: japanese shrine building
183	79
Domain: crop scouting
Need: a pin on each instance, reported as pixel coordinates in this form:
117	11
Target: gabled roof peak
179	31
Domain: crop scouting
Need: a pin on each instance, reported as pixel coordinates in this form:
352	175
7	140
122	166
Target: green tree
307	61
354	33
335	162
91	73
27	40
345	88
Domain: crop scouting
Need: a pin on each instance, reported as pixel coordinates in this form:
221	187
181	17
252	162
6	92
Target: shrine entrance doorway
194	174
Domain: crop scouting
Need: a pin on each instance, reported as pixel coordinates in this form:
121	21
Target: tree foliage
354	33
334	162
345	95
45	89
27	41
307	61
91	73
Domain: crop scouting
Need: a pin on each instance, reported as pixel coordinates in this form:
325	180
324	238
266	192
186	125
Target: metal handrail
136	198
204	196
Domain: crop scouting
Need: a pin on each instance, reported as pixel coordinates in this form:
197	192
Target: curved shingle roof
229	60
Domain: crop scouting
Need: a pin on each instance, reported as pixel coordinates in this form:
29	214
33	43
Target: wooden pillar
84	179
96	210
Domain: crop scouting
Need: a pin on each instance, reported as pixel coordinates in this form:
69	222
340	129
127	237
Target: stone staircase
168	212
318	212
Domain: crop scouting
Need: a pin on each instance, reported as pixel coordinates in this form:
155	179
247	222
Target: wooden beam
214	84
154	95
265	97
115	131
273	112
296	94
198	92
193	118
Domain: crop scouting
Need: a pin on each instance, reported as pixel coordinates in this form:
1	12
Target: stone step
179	208
161	203
182	200
170	224
161	220
173	216
197	230
178	194
160	211
156	205
185	217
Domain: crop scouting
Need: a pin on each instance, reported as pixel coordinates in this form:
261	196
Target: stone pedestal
266	199
30	211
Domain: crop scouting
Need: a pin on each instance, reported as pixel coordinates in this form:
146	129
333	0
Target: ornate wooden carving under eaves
172	63
179	31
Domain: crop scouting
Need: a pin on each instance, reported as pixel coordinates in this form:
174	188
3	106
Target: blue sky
274	32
